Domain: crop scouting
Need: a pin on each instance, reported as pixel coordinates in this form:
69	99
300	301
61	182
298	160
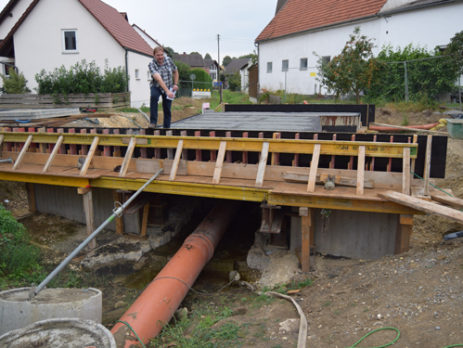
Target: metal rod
8	160
117	212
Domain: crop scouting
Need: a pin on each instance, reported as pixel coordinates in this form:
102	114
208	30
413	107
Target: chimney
280	4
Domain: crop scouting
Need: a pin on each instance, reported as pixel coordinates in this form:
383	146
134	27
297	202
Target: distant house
196	60
46	34
303	31
239	65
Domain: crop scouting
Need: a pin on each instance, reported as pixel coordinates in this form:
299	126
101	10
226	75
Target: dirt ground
419	292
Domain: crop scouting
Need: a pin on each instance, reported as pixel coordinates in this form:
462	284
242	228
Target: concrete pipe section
65	332
17	311
158	302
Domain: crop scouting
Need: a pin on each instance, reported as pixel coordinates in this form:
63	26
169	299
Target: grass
206	327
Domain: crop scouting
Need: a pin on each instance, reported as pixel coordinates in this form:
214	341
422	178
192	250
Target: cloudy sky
187	25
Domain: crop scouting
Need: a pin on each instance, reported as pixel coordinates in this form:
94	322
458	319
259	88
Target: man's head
158	54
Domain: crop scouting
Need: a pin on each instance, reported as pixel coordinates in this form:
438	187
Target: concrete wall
66	202
350	234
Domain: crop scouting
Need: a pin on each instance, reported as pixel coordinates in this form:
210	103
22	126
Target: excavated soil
419	292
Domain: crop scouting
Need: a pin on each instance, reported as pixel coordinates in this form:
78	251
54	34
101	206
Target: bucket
62	332
455	128
17	311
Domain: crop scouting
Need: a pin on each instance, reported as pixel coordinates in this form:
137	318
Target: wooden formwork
204	166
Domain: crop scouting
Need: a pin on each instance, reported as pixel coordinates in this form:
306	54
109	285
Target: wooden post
427	165
144	221
89	215
31	197
117	197
307	234
404	231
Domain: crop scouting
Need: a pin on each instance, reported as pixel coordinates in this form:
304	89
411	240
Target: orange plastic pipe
158	302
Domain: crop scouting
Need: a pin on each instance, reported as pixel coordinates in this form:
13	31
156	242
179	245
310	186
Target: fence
186	87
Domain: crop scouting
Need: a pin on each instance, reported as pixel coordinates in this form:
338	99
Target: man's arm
161	83
176	76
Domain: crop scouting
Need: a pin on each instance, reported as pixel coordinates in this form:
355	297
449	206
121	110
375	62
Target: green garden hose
376	330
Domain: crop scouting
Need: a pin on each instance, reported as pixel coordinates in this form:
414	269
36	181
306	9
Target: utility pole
218	67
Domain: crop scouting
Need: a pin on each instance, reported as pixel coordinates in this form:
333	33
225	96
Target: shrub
18	258
15	83
234	82
82	77
203	80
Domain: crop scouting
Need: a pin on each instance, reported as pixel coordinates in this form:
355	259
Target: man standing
164	83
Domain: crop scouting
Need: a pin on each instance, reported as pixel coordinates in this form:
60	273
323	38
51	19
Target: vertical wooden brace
219	162
306	237
89	215
262	164
313	168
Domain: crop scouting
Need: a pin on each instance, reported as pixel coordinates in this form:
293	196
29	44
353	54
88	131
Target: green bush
202	80
82	77
18	258
234	82
15	83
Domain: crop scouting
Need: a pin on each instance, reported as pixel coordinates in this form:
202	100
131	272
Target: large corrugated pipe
159	301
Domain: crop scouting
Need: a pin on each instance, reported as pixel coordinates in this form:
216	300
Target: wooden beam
306	237
118	197
219	163
53	154
170	153
128	157
88	159
406	172
31	197
403	233
427	165
448	200
262	164
313	168
361	170
23	152
1	140
144	221
178	155
422	205
89	216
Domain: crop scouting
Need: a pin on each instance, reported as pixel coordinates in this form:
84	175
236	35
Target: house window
137	74
70	41
269	67
284	65
303	64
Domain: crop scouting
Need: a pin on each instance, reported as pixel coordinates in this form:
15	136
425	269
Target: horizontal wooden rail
292	146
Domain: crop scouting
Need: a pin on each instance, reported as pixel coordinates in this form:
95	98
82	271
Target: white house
46	34
304	30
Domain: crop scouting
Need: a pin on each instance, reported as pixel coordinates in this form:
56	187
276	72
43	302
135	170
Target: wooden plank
144	221
422	205
170	152
178	155
89	216
128	157
53	154
219	163
306	234
88	159
448	200
262	164
427	165
31	197
406	172
313	168
23	152
361	170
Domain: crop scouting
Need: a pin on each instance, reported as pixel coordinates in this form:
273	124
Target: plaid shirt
165	70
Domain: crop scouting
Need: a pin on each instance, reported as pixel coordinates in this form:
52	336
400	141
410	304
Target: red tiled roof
116	25
302	15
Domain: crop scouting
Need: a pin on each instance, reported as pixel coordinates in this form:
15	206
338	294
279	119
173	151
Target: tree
226	60
234	82
15	83
455	51
352	70
184	71
170	51
208	56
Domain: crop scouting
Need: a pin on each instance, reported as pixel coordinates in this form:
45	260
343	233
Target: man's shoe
152	125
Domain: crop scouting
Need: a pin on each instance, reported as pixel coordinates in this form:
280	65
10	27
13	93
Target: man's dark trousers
156	92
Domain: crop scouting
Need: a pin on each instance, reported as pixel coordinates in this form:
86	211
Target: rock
289	326
120	304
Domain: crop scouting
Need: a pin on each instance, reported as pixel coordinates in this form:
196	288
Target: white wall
424	28
139	87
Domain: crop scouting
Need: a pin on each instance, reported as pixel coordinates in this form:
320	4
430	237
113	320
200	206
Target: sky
192	26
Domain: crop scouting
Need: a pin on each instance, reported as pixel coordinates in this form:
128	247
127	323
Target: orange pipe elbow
161	298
